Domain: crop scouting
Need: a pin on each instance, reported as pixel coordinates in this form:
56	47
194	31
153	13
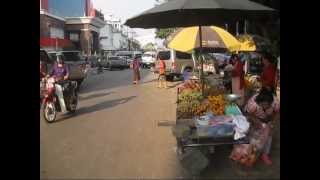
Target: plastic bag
219	131
245	154
241	126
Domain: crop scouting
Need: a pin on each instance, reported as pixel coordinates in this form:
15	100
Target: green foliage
164	33
150	46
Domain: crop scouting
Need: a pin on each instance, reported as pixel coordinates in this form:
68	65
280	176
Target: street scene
126	95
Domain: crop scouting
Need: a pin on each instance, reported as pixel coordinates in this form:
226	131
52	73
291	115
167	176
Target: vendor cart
185	132
194	149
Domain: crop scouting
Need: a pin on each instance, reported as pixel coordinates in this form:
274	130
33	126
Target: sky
126	9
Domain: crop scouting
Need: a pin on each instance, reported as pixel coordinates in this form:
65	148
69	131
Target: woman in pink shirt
262	110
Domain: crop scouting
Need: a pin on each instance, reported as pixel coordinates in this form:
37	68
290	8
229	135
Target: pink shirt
253	108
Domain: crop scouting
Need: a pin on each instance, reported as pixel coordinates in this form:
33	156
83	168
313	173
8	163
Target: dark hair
265	95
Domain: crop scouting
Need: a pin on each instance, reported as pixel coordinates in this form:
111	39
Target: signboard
56	33
74	37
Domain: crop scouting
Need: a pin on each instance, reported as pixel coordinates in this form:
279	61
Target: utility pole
130	39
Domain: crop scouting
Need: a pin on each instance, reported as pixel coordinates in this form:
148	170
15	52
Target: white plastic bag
242	126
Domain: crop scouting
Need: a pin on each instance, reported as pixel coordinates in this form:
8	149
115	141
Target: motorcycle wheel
48	112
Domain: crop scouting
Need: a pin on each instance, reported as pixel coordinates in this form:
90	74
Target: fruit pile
189	85
217	104
189	102
214	91
203	108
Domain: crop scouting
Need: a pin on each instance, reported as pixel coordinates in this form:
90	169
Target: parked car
127	59
130	55
176	63
76	64
148	59
112	62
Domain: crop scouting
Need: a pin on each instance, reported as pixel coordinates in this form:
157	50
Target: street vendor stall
205	121
186	13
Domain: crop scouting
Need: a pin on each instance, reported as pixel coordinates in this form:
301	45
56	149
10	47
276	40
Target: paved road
115	134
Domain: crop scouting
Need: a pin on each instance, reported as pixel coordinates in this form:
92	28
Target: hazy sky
125	9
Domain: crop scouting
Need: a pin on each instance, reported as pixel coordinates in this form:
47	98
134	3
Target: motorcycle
51	104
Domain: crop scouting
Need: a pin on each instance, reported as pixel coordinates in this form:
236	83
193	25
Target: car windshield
71	56
146	55
164	54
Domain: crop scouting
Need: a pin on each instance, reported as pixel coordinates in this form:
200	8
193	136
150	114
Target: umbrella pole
201	62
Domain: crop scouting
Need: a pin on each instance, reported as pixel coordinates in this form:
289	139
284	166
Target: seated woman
262	110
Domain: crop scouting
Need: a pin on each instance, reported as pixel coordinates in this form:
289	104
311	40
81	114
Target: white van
176	63
148	59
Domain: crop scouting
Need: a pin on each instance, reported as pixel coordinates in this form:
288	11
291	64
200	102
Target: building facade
114	36
72	23
106	38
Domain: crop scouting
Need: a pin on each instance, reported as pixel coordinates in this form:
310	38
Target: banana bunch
189	102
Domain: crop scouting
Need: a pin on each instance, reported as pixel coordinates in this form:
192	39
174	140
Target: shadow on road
97	107
95	95
153	80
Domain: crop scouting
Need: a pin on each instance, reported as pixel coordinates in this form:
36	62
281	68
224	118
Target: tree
149	47
163	33
269	28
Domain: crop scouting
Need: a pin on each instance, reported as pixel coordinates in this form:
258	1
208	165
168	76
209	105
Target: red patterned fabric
253	108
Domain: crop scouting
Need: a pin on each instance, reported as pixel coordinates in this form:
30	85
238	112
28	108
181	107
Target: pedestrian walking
268	75
162	82
227	75
238	78
136	70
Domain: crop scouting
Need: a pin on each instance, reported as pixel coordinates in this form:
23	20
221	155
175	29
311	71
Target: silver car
76	64
112	62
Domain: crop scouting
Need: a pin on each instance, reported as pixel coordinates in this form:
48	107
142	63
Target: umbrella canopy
215	38
247	46
184	13
250	42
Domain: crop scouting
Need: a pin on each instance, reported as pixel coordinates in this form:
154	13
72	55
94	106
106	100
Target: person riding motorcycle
100	68
60	72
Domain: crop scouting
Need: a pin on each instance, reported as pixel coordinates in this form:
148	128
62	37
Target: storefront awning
55	42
